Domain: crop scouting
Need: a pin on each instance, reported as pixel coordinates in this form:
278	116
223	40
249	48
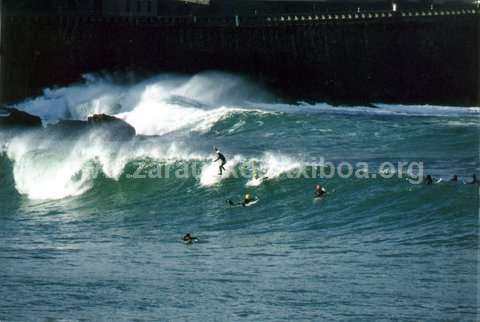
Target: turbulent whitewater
90	228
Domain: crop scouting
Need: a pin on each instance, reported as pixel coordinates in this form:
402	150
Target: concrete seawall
404	56
2	69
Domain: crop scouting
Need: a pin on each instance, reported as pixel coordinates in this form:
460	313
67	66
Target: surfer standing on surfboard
222	159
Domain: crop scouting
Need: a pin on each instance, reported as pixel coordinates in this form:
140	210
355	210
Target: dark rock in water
11	117
103	126
66	129
117	128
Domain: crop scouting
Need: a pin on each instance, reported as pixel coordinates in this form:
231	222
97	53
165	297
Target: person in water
319	190
222	159
246	200
189	239
454	179
428	179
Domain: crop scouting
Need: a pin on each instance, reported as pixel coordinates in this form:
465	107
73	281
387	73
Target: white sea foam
49	169
464	123
44	171
155	106
270	166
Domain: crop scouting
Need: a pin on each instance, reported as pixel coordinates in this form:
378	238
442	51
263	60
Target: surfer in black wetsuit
428	179
188	239
319	191
246	200
454	179
222	159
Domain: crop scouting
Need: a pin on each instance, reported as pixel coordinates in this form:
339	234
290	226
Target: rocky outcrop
13	118
102	126
116	128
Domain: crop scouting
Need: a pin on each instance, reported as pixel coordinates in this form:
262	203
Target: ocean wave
171	103
48	170
376	109
183	94
179	119
45	168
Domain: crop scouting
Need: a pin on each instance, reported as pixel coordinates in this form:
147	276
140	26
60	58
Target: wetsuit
222	159
188	239
244	203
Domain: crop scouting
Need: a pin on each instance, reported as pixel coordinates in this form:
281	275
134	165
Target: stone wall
379	56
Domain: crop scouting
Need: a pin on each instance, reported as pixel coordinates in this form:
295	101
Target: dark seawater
84	238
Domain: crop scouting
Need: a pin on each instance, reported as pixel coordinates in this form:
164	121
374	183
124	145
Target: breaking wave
178	119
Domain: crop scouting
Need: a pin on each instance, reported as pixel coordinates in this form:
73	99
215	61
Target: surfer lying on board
189	239
320	191
222	159
248	199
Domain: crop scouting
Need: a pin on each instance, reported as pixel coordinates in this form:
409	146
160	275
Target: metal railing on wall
244	21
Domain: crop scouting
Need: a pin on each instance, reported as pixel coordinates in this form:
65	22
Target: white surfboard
252	203
256	181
